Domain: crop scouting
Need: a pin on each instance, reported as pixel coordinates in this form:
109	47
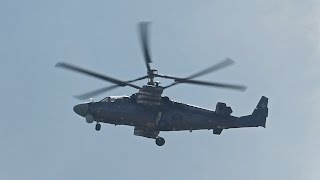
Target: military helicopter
149	112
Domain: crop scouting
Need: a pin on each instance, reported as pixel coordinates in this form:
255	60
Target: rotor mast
151	75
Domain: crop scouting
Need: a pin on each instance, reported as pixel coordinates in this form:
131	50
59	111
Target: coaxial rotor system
143	30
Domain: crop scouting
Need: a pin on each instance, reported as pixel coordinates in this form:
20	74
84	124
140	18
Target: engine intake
223	109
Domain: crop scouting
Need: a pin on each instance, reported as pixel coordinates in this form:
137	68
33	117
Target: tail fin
260	114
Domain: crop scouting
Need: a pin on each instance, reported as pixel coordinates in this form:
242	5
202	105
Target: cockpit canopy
114	98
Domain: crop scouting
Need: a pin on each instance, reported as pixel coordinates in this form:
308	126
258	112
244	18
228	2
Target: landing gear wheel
160	141
98	127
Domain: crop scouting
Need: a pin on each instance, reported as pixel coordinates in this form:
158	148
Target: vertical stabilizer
260	114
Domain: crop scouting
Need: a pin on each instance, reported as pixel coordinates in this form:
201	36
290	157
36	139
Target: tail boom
256	119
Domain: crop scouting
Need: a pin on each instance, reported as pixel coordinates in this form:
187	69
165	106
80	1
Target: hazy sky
275	45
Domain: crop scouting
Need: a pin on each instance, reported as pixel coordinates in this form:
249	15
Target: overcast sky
275	45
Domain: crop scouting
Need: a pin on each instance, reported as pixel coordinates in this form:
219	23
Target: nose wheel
160	141
98	127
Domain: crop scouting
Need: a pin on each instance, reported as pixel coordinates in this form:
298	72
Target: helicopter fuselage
169	116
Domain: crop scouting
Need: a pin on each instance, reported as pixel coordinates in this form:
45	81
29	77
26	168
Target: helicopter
149	112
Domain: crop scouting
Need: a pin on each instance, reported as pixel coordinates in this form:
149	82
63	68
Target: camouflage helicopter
149	112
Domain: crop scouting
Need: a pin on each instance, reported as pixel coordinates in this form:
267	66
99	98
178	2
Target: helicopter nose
81	109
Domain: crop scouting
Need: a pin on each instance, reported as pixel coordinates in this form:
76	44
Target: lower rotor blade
137	79
103	90
95	92
213	84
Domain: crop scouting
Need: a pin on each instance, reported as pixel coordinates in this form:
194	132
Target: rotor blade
167	77
103	90
94	74
137	79
143	29
95	92
214	84
226	62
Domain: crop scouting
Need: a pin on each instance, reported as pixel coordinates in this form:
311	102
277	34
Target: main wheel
98	127
160	141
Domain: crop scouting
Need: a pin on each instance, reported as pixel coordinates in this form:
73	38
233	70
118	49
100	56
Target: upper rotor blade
103	90
144	38
226	62
214	84
94	74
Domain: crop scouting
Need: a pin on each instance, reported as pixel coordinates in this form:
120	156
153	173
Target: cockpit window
113	98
